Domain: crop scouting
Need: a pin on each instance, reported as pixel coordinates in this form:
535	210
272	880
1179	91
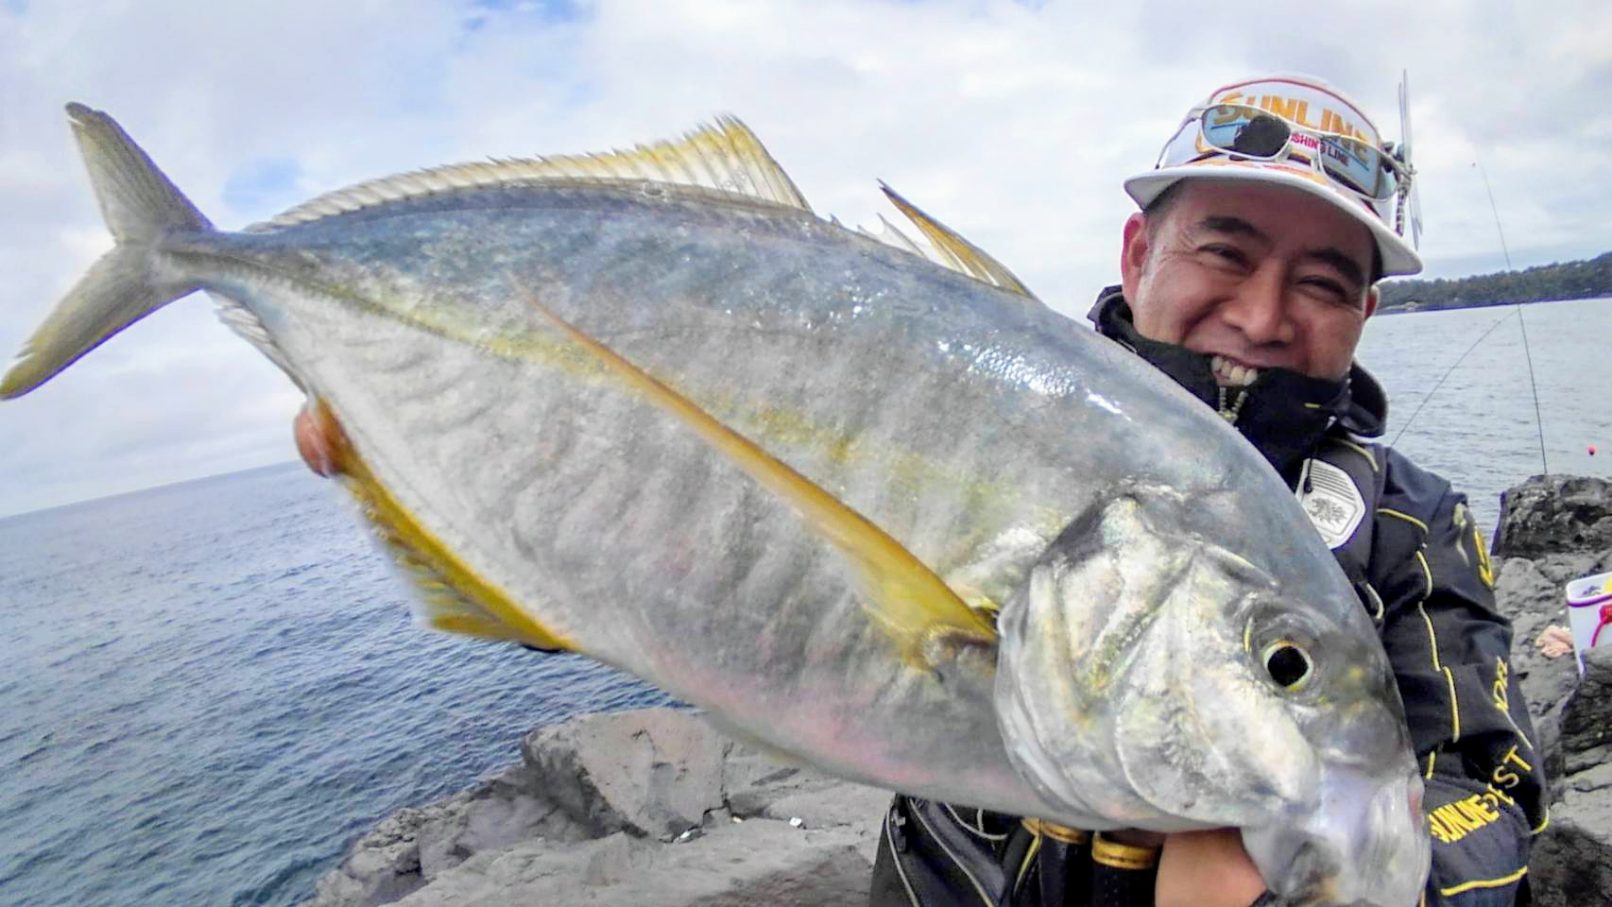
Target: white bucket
1589	613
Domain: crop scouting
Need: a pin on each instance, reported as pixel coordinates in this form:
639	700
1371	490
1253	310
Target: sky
1013	122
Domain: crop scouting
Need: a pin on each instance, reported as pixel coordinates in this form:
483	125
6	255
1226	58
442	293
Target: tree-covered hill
1571	280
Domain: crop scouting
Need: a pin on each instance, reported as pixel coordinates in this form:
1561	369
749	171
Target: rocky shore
655	807
641	809
1554	529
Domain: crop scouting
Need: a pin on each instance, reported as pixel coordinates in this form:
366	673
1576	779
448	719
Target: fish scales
589	517
558	518
697	327
483	351
805	392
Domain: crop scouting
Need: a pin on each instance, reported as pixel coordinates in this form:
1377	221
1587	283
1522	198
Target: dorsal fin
956	252
725	155
891	235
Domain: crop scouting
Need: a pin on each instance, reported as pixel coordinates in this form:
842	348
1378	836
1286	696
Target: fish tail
141	207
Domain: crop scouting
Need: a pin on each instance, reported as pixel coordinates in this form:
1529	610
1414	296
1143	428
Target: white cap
1303	101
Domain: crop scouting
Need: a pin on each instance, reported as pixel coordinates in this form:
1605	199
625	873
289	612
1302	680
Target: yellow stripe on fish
913	604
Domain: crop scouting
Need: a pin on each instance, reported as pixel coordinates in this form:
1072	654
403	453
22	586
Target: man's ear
1372	298
1134	247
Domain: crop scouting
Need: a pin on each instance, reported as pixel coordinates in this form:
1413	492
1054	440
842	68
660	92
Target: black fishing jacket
1420	566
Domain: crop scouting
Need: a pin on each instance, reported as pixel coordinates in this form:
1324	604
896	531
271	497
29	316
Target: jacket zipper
1235	408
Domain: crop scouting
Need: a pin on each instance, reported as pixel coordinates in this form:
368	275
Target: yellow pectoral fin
452	596
904	596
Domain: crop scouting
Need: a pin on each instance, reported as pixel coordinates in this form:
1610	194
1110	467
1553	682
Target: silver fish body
786	472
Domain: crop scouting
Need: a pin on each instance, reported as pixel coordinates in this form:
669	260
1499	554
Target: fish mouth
1230	372
1365	844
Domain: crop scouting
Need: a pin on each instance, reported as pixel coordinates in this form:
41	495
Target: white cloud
1012	122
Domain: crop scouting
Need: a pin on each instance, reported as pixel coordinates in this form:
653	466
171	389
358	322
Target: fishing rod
1410	200
1494	208
1528	355
1516	309
1533	386
1447	373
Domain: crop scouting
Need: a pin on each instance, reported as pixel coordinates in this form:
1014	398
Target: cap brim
1398	258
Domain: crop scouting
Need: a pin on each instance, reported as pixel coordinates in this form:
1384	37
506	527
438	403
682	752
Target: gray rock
1534	601
1555	514
759	862
1592	778
655	773
1586	720
492	815
381	867
1569	866
1555	529
410	848
632	808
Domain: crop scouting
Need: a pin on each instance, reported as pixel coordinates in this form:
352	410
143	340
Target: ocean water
1478	428
210	689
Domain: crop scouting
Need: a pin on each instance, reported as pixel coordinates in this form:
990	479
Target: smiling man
1252	277
1247	276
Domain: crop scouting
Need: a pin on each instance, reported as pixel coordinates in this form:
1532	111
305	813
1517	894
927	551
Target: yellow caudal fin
914	606
141	206
452	596
956	252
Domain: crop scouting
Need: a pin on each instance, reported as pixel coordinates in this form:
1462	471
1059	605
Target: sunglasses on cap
1249	132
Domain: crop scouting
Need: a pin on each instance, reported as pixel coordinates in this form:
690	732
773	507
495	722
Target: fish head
1152	677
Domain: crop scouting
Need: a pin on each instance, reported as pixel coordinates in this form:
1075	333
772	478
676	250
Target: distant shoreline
1413	307
1557	282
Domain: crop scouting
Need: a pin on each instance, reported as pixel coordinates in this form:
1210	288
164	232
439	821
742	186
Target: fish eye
1287	664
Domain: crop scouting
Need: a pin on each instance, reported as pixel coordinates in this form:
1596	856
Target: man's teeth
1230	374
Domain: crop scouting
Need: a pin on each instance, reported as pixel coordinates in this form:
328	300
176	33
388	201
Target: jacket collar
1285	414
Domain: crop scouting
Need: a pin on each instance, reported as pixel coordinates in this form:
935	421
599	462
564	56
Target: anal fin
451	595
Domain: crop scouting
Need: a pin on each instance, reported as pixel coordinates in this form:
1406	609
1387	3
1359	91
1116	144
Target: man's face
1254	275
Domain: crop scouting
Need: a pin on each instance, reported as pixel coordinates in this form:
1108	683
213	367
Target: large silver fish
648	407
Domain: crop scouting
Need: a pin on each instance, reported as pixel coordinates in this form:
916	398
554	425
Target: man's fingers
312	442
1207	869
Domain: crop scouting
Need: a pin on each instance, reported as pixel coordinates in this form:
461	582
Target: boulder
1586	720
1554	515
1571	863
411	847
381	867
757	862
1530	594
654	775
630	808
1554	529
492	815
